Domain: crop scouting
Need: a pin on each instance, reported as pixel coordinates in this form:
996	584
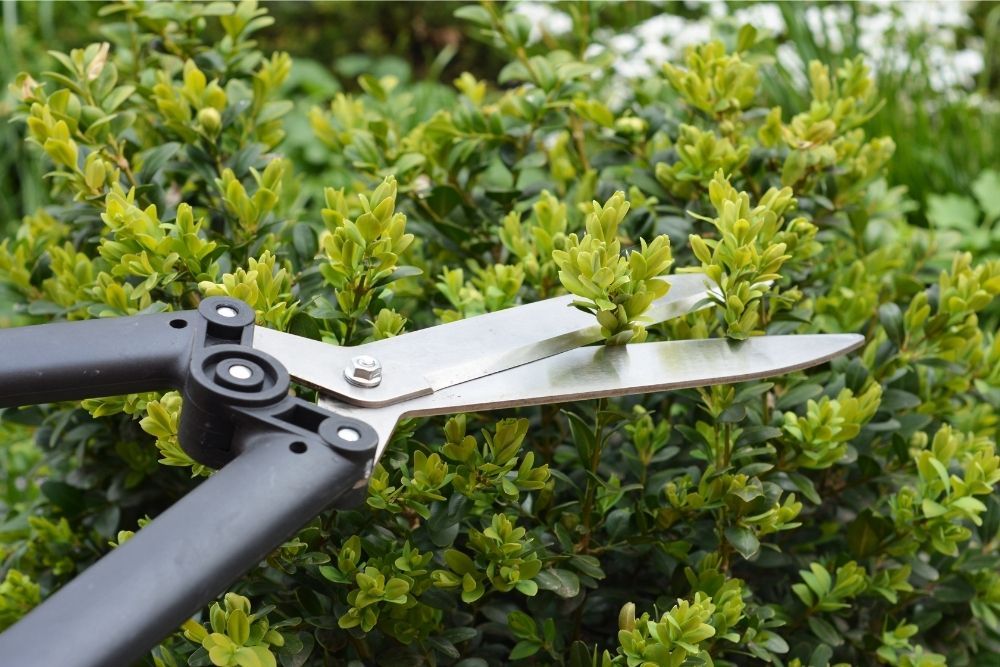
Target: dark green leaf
891	319
444	522
773	642
524	649
304	241
754	469
443	199
754	435
866	532
826	632
296	650
894	400
68	498
305	326
444	647
522	625
617	522
154	160
821	656
587	565
744	540
954	589
805	487
459	635
583	437
798	396
733	413
563	583
106	522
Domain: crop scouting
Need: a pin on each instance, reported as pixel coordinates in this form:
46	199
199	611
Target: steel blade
596	372
428	360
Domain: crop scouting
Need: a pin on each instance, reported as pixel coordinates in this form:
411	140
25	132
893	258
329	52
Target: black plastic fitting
283	460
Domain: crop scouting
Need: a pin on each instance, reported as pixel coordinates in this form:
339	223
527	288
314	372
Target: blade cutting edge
596	372
427	360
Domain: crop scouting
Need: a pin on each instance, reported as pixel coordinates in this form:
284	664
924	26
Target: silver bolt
364	371
349	434
240	372
226	311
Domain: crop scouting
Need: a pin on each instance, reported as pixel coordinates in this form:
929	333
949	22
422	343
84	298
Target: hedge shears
282	460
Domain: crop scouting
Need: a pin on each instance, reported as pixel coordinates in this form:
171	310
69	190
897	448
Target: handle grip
282	461
65	361
128	601
189	350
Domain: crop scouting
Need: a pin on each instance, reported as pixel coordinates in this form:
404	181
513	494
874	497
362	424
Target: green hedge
844	515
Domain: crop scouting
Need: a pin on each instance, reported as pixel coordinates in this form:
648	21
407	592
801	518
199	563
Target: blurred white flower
660	27
422	185
696	32
631	67
658	53
593	50
969	63
544	17
641	51
624	43
894	60
617	95
934	15
953	69
825	24
885	30
871	32
814	20
765	16
986	104
717	9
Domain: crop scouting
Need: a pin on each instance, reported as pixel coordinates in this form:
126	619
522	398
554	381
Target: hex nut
364	371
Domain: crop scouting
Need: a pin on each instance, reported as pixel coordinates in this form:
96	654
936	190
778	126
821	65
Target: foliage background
895	561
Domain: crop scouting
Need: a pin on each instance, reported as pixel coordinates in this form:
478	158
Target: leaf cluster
848	514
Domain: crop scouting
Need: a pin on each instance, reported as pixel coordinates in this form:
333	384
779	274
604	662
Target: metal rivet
349	434
227	311
240	372
364	371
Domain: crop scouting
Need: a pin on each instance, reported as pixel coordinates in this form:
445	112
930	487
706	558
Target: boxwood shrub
847	515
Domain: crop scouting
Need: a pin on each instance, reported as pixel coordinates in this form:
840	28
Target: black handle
191	350
72	360
124	604
64	361
282	461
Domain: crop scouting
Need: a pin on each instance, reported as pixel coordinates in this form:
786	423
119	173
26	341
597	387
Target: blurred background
937	64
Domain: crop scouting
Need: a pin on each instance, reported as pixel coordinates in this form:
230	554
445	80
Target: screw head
240	372
364	371
349	434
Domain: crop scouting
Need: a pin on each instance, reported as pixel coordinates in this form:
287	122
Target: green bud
210	120
626	617
62	151
630	126
95	172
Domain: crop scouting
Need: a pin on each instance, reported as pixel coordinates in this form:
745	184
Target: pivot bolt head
240	372
364	371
